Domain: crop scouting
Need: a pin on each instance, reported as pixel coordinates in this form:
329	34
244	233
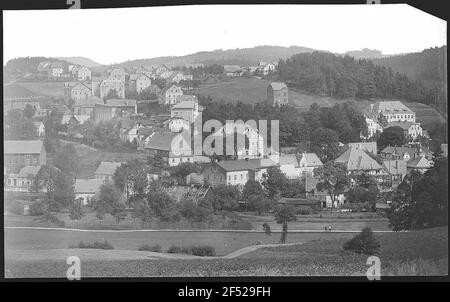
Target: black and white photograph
292	140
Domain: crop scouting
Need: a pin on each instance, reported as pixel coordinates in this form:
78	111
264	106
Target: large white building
84	73
112	84
393	111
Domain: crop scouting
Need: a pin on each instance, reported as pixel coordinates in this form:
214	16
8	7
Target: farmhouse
170	94
358	160
21	153
266	68
106	170
277	93
142	82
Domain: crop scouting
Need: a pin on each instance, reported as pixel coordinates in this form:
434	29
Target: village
90	100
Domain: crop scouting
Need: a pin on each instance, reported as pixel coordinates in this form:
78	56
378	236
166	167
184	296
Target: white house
169	95
393	111
84	73
142	82
86	189
114	84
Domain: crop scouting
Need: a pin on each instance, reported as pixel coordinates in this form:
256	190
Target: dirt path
253	248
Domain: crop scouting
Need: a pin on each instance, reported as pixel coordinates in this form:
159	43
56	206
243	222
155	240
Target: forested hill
27	64
428	65
344	77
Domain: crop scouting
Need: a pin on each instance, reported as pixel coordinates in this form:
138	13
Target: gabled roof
121	103
289	159
186	97
29	171
23	147
391	107
243	164
419	162
161	141
365	146
168	87
187	105
87	186
402	150
278	85
312	160
395	167
357	159
107	168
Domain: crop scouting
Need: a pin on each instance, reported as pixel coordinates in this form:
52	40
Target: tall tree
334	179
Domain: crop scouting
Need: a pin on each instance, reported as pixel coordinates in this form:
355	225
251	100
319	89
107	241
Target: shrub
52	218
174	249
38	208
154	248
95	245
15	208
363	243
203	250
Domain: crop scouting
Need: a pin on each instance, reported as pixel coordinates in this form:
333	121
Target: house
168	95
166	74
186	97
187	110
177	124
84	73
410	129
392	111
56	70
21	153
174	148
176	77
357	160
160	69
370	147
115	108
74	119
308	162
232	70
396	168
23	180
118	73
312	193
87	106
289	165
86	189
106	170
265	68
237	172
81	91
420	164
195	179
405	153
373	127
142	82
277	93
153	89
112	84
40	128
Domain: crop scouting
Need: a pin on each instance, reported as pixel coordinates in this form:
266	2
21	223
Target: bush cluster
363	243
95	245
150	248
200	250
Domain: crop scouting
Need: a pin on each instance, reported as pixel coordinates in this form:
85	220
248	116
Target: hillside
80	61
366	53
243	56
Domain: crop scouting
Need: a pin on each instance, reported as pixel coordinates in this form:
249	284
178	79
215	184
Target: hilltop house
56	69
21	153
265	68
169	95
277	93
106	170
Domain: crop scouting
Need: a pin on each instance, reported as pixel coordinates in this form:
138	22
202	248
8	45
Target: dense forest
344	77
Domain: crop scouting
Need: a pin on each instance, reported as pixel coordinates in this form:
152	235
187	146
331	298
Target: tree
421	201
76	211
283	215
325	143
258	203
67	160
225	198
29	111
132	178
333	178
184	169
107	200
142	210
252	188
274	182
391	136
162	204
57	186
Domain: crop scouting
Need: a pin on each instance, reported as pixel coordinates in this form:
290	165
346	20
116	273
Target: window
235	177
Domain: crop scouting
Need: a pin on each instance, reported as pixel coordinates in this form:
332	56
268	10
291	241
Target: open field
52	89
253	90
405	253
223	242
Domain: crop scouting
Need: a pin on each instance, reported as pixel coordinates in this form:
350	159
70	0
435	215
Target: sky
115	35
